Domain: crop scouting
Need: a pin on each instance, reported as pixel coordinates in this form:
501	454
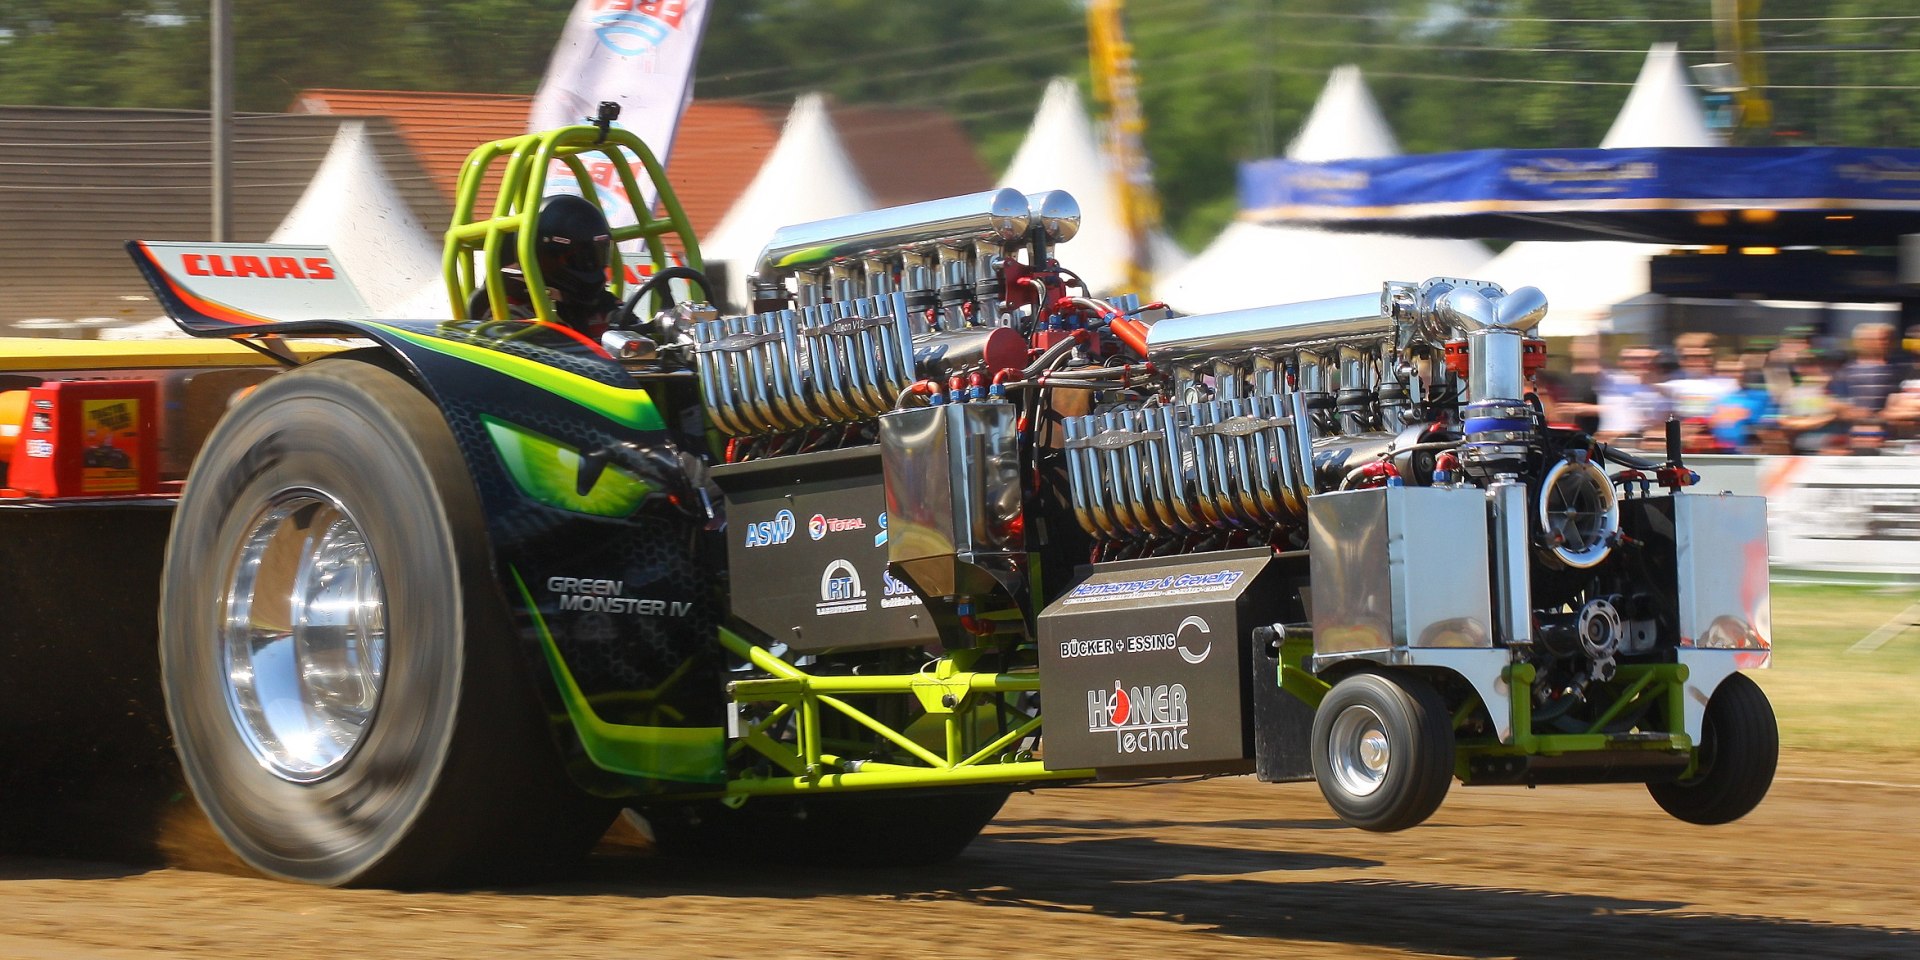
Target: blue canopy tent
1700	196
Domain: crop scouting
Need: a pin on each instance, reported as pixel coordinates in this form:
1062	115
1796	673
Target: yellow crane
1736	31
1117	91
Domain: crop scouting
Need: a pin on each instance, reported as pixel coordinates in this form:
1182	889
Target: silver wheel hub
303	635
1358	751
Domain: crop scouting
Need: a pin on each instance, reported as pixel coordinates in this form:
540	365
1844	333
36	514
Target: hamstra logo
634	27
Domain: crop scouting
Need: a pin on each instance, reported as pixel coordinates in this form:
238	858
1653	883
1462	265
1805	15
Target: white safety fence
1835	514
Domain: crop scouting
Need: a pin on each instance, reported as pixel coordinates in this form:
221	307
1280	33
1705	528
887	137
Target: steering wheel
624	318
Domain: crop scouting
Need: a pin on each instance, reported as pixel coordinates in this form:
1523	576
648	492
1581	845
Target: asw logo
1144	719
633	27
771	533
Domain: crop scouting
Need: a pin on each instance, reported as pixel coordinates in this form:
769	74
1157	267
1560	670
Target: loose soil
1829	866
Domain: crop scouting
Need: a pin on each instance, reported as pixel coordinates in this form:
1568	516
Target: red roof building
717	150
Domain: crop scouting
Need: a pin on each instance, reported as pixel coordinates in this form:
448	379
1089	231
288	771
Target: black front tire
1383	750
442	772
1739	749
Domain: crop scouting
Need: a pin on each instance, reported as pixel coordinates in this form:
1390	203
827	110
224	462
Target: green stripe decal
633	408
683	754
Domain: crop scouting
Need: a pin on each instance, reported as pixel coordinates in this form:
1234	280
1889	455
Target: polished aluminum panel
1721	566
953	494
1399	567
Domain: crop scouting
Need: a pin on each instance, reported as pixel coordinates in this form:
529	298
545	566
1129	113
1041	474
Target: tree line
1221	80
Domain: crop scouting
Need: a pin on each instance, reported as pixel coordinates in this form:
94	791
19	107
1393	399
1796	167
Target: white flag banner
637	53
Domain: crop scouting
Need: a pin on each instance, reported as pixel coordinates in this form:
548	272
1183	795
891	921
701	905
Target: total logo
840	590
821	525
1150	718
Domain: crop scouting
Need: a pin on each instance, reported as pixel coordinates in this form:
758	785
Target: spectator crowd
1801	394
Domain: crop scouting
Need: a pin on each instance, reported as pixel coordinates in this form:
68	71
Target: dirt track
1221	868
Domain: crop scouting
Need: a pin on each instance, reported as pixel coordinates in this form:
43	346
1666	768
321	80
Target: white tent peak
1062	152
1583	279
352	207
1345	123
806	177
1060	143
1306	263
1661	109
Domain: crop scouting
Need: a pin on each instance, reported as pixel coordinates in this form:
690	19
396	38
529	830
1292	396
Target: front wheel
1739	748
1383	750
338	665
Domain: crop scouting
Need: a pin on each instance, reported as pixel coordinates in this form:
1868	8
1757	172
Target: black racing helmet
575	245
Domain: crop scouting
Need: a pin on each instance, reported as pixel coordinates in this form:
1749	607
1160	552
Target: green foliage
1222	81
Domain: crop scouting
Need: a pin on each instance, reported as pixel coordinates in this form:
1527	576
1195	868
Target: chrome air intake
1275	404
944	254
794	369
1166	470
998	216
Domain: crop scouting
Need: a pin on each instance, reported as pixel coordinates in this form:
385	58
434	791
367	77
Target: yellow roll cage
475	245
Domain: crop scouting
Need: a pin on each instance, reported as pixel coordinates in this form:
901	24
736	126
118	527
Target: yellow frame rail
949	691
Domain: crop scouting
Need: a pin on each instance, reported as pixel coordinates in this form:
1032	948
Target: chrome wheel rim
1359	752
304	637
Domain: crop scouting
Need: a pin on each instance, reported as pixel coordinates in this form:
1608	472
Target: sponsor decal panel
771	533
840	590
821	525
1218	581
584	595
263	267
1143	718
111	461
895	592
1191	639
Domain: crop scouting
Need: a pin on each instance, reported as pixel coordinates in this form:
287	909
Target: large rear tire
1739	749
883	828
337	660
1383	750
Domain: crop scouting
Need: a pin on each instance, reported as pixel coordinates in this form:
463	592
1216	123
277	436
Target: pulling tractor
928	523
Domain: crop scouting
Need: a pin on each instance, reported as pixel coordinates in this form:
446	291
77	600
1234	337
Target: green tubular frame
1638	684
517	208
950	691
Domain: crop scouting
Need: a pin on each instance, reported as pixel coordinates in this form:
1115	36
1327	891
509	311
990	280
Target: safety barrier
1834	514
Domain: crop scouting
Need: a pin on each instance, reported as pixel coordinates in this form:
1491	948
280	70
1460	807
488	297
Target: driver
574	248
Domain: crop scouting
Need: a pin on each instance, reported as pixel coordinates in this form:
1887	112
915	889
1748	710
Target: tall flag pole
1117	89
637	53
